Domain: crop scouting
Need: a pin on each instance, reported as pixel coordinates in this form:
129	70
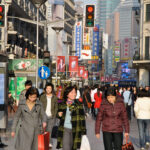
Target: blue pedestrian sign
44	72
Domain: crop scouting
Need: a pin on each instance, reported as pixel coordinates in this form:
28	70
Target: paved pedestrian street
96	144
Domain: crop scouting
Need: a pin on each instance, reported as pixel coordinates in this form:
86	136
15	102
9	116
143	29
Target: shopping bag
43	141
85	145
127	145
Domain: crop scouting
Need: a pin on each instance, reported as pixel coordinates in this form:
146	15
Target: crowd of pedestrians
111	107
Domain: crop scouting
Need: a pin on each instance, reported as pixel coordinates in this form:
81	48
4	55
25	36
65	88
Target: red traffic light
1	9
90	9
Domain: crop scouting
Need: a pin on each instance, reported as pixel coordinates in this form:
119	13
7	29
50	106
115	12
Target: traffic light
90	15
2	15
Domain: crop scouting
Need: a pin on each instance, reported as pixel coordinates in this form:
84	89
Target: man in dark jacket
28	84
49	101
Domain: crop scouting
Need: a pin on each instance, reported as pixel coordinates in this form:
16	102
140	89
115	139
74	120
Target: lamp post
57	30
67	43
38	4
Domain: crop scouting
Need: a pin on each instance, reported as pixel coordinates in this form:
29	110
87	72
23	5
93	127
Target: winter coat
78	124
22	95
142	108
112	117
30	126
54	104
88	97
98	100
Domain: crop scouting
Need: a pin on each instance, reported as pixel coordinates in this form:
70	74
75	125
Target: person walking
98	100
28	84
72	121
142	113
49	101
127	95
113	117
33	118
86	99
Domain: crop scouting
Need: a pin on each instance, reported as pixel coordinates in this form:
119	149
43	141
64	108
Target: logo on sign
44	72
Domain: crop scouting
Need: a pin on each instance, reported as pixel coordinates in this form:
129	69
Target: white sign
86	54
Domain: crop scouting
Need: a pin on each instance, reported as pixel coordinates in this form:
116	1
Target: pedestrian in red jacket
98	100
113	117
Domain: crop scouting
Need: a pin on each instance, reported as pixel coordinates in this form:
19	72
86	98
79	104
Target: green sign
20	85
24	64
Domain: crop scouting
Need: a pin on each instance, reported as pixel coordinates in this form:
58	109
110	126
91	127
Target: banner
95	51
60	63
78	38
81	70
85	75
73	63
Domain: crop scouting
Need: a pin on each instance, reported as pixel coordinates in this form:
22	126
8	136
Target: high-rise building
105	9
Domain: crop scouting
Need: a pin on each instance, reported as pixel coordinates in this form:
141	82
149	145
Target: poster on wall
20	85
81	70
2	87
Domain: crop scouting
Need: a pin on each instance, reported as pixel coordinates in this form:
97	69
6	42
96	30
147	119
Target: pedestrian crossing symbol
44	72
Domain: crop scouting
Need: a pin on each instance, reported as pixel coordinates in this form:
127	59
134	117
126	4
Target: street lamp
57	30
38	4
67	43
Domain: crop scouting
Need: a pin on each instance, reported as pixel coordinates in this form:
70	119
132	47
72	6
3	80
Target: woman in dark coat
113	117
72	121
86	98
31	114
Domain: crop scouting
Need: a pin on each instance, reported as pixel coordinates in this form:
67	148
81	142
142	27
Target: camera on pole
2	16
90	15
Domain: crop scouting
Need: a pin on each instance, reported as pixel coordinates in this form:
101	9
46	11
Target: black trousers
112	141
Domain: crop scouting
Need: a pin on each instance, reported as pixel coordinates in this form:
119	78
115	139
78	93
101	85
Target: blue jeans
143	125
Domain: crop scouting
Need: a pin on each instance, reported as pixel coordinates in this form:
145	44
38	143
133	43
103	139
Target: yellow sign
94	57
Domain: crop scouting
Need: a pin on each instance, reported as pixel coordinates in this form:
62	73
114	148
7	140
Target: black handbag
54	132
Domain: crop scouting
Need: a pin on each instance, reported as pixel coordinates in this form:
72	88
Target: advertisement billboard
78	38
73	63
86	54
60	63
117	51
81	70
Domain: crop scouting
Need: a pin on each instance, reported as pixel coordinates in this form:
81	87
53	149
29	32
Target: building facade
142	62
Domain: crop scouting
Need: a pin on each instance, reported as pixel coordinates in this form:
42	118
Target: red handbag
43	141
127	145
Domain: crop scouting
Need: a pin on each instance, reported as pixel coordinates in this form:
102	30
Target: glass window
147	47
148	12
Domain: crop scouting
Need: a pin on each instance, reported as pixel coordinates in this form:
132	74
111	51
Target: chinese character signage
60	63
117	51
78	38
95	51
73	63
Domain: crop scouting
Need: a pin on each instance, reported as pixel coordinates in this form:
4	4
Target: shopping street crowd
67	108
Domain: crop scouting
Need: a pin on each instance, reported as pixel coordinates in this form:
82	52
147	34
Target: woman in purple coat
114	120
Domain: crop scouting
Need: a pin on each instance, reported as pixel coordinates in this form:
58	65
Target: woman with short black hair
113	117
72	121
33	117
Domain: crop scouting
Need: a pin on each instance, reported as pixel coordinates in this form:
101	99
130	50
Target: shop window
148	12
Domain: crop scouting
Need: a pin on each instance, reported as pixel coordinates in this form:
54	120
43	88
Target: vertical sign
73	63
117	51
81	70
78	38
60	63
2	88
95	51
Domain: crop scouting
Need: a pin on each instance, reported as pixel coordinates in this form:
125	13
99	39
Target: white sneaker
50	145
142	148
147	145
